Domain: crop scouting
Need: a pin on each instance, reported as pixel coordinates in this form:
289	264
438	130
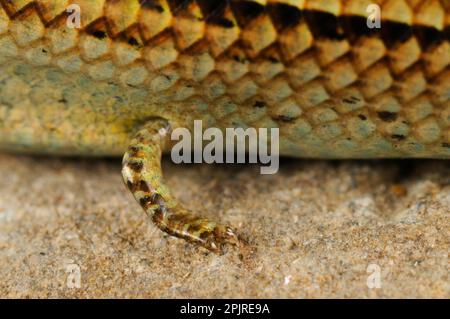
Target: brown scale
322	23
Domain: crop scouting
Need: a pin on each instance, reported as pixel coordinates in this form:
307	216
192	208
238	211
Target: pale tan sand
314	228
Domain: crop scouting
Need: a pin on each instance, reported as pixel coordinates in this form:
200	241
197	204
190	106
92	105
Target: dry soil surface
315	229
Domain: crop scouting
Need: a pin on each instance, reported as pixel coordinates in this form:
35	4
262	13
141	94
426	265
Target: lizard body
312	68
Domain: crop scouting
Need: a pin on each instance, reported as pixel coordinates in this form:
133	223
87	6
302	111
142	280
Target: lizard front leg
142	174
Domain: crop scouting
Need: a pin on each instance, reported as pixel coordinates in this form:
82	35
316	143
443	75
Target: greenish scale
46	109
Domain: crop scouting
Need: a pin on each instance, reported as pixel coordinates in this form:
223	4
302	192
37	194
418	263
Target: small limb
141	171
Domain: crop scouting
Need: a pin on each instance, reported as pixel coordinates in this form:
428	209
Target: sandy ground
316	229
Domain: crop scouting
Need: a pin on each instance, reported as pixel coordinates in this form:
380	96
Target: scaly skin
335	88
142	174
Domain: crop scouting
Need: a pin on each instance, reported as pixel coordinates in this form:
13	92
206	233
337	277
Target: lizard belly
332	94
44	110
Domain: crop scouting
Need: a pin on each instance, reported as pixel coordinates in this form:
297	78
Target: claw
218	238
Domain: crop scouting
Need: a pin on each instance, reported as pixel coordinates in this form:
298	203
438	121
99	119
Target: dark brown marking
143	186
161	209
10	7
158	217
355	27
351	100
446	145
398	137
348	101
194	228
133	42
285	118
387	116
213	11
181	219
246	11
133	151
259	104
324	25
157	199
223	22
136	166
205	234
362	117
151	5
141	139
273	59
145	201
239	58
99	34
178	5
428	36
394	33
130	186
284	16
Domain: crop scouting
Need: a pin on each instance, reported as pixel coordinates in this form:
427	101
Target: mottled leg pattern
142	174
